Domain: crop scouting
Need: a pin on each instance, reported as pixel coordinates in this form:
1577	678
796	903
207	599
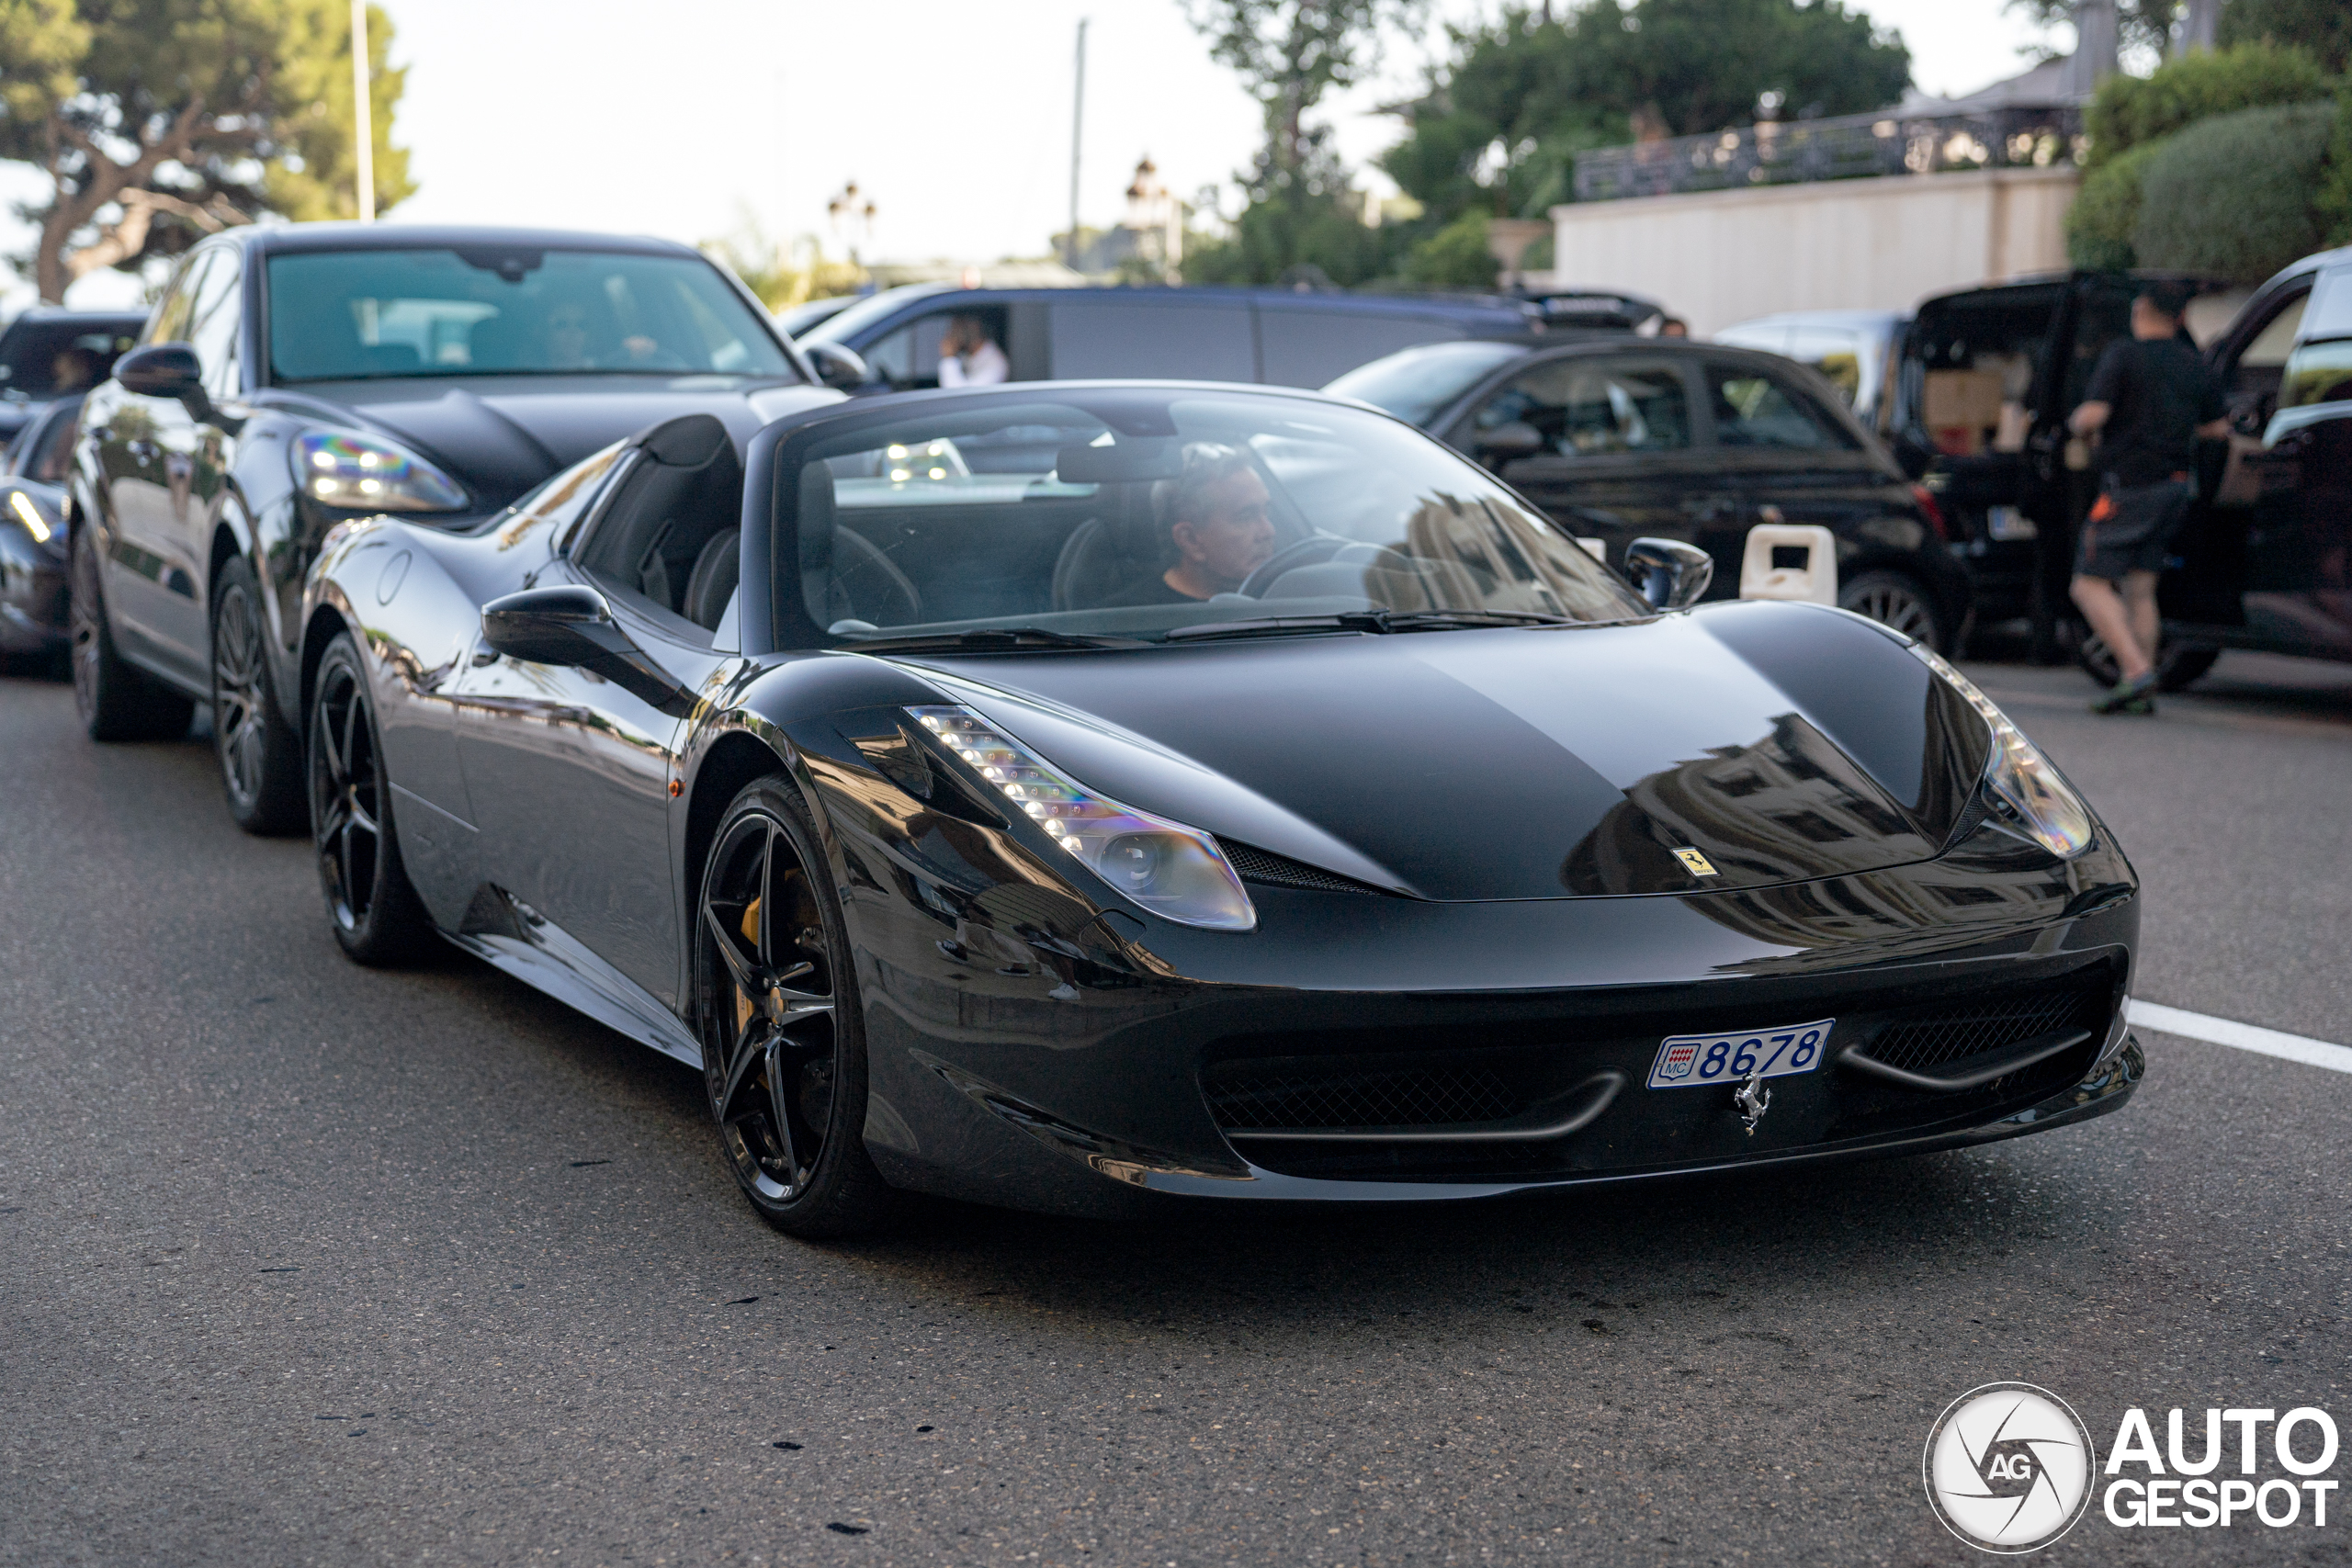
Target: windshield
1416	384
1137	514
373	315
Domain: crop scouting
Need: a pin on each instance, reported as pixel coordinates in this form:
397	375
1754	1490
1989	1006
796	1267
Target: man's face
1234	536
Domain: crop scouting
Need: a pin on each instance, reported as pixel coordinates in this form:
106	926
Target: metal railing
1853	147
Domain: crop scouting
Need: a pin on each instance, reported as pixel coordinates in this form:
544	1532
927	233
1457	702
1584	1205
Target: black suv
29	351
1624	438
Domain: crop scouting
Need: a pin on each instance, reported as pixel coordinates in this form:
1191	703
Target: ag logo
2009	1467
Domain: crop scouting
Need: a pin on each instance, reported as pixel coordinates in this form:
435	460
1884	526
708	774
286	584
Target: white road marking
2244	1036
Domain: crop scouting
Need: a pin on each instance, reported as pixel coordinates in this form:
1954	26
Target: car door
1607	445
1795	462
569	773
2299	583
148	451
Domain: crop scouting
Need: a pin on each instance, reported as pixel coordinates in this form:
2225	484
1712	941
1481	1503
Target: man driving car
1219	526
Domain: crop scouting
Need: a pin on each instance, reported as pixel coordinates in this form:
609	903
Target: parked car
1666	438
31	344
1430	863
1986	382
2265	560
33	620
1854	351
292	378
797	318
1195	334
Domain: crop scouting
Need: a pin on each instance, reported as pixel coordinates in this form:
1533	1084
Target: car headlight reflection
360	473
1177	873
29	515
2020	778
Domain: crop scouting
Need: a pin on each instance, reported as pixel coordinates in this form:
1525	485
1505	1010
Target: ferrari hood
498	435
1781	742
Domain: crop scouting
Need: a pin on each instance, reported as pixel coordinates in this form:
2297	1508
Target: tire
1894	599
115	701
776	1009
378	918
2178	665
259	753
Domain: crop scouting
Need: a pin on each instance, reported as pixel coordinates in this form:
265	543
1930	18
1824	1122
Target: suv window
1181	342
169	323
1758	412
215	308
1596	408
908	358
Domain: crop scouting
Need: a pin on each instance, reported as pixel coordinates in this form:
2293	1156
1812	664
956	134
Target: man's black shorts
2131	528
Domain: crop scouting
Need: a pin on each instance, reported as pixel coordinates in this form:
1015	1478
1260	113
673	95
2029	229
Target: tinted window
908	358
356	315
1596	408
1757	411
1188	343
47	451
45	358
1139	514
1305	347
169	323
214	312
1417	384
1842	357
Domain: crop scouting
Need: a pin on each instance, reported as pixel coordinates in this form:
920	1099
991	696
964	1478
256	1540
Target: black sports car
294	376
32	532
1051	795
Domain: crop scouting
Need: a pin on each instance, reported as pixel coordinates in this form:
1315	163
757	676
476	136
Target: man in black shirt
1218	523
2150	397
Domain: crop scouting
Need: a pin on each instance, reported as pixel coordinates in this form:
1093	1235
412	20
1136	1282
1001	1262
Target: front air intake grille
1292	1097
1280	870
1923	1040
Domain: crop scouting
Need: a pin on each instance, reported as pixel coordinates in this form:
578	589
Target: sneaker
2141	707
2126	693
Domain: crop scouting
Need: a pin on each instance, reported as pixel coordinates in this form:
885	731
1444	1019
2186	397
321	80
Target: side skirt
508	934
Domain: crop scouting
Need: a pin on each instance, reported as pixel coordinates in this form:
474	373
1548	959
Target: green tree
2322	27
1455	256
2232	196
2106	212
2333	203
2130	110
158	121
2144	25
1502	122
1299	211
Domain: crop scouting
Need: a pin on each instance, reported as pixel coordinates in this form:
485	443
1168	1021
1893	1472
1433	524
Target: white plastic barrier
1815	580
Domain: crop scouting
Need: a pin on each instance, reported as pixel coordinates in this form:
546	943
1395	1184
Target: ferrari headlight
2020	778
1177	873
359	473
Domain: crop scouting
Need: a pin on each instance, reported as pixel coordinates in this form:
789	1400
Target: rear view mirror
1670	574
165	370
842	369
1515	439
574	626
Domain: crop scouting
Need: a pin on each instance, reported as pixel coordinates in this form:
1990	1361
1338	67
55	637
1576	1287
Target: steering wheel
1310	551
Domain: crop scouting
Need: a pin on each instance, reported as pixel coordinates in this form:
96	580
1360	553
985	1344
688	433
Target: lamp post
363	115
852	220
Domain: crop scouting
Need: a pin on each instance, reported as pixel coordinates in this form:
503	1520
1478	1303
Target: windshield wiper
988	639
1375	621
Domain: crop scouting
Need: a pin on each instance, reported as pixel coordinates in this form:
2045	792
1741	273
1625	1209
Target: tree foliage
158	121
2106	212
2130	110
1502	122
1455	256
2333	203
2322	27
2232	196
2142	26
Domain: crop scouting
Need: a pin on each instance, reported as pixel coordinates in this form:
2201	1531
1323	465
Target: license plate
1687	1059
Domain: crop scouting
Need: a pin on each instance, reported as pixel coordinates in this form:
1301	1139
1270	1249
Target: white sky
954	116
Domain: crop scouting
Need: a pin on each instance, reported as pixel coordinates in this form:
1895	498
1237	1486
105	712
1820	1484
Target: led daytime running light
359	474
29	515
1177	873
2019	776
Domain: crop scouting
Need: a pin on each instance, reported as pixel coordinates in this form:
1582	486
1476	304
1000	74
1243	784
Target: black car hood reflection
1528	763
499	435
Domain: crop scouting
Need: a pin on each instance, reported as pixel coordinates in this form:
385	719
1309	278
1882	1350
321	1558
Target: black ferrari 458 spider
1056	795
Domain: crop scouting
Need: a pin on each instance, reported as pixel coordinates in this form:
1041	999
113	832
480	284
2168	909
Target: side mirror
1670	574
1505	442
165	370
574	627
842	369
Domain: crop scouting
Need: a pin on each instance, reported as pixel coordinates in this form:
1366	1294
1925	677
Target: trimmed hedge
2131	111
2106	212
2233	196
2333	204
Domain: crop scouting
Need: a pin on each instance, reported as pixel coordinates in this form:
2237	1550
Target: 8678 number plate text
1687	1059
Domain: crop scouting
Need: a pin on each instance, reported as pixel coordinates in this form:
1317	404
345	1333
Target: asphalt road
302	1263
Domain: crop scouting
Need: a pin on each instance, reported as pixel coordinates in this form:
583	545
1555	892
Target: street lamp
852	216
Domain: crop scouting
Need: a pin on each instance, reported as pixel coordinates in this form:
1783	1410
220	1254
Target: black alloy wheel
783	1053
115	701
377	916
260	757
1894	600
2178	665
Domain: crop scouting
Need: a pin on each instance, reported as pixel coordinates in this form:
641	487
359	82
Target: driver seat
1109	553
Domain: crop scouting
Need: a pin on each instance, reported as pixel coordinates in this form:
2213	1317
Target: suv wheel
115	701
260	755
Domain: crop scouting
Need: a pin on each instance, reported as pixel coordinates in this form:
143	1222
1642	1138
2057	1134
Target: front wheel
1894	600
115	701
776	1008
260	755
377	916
